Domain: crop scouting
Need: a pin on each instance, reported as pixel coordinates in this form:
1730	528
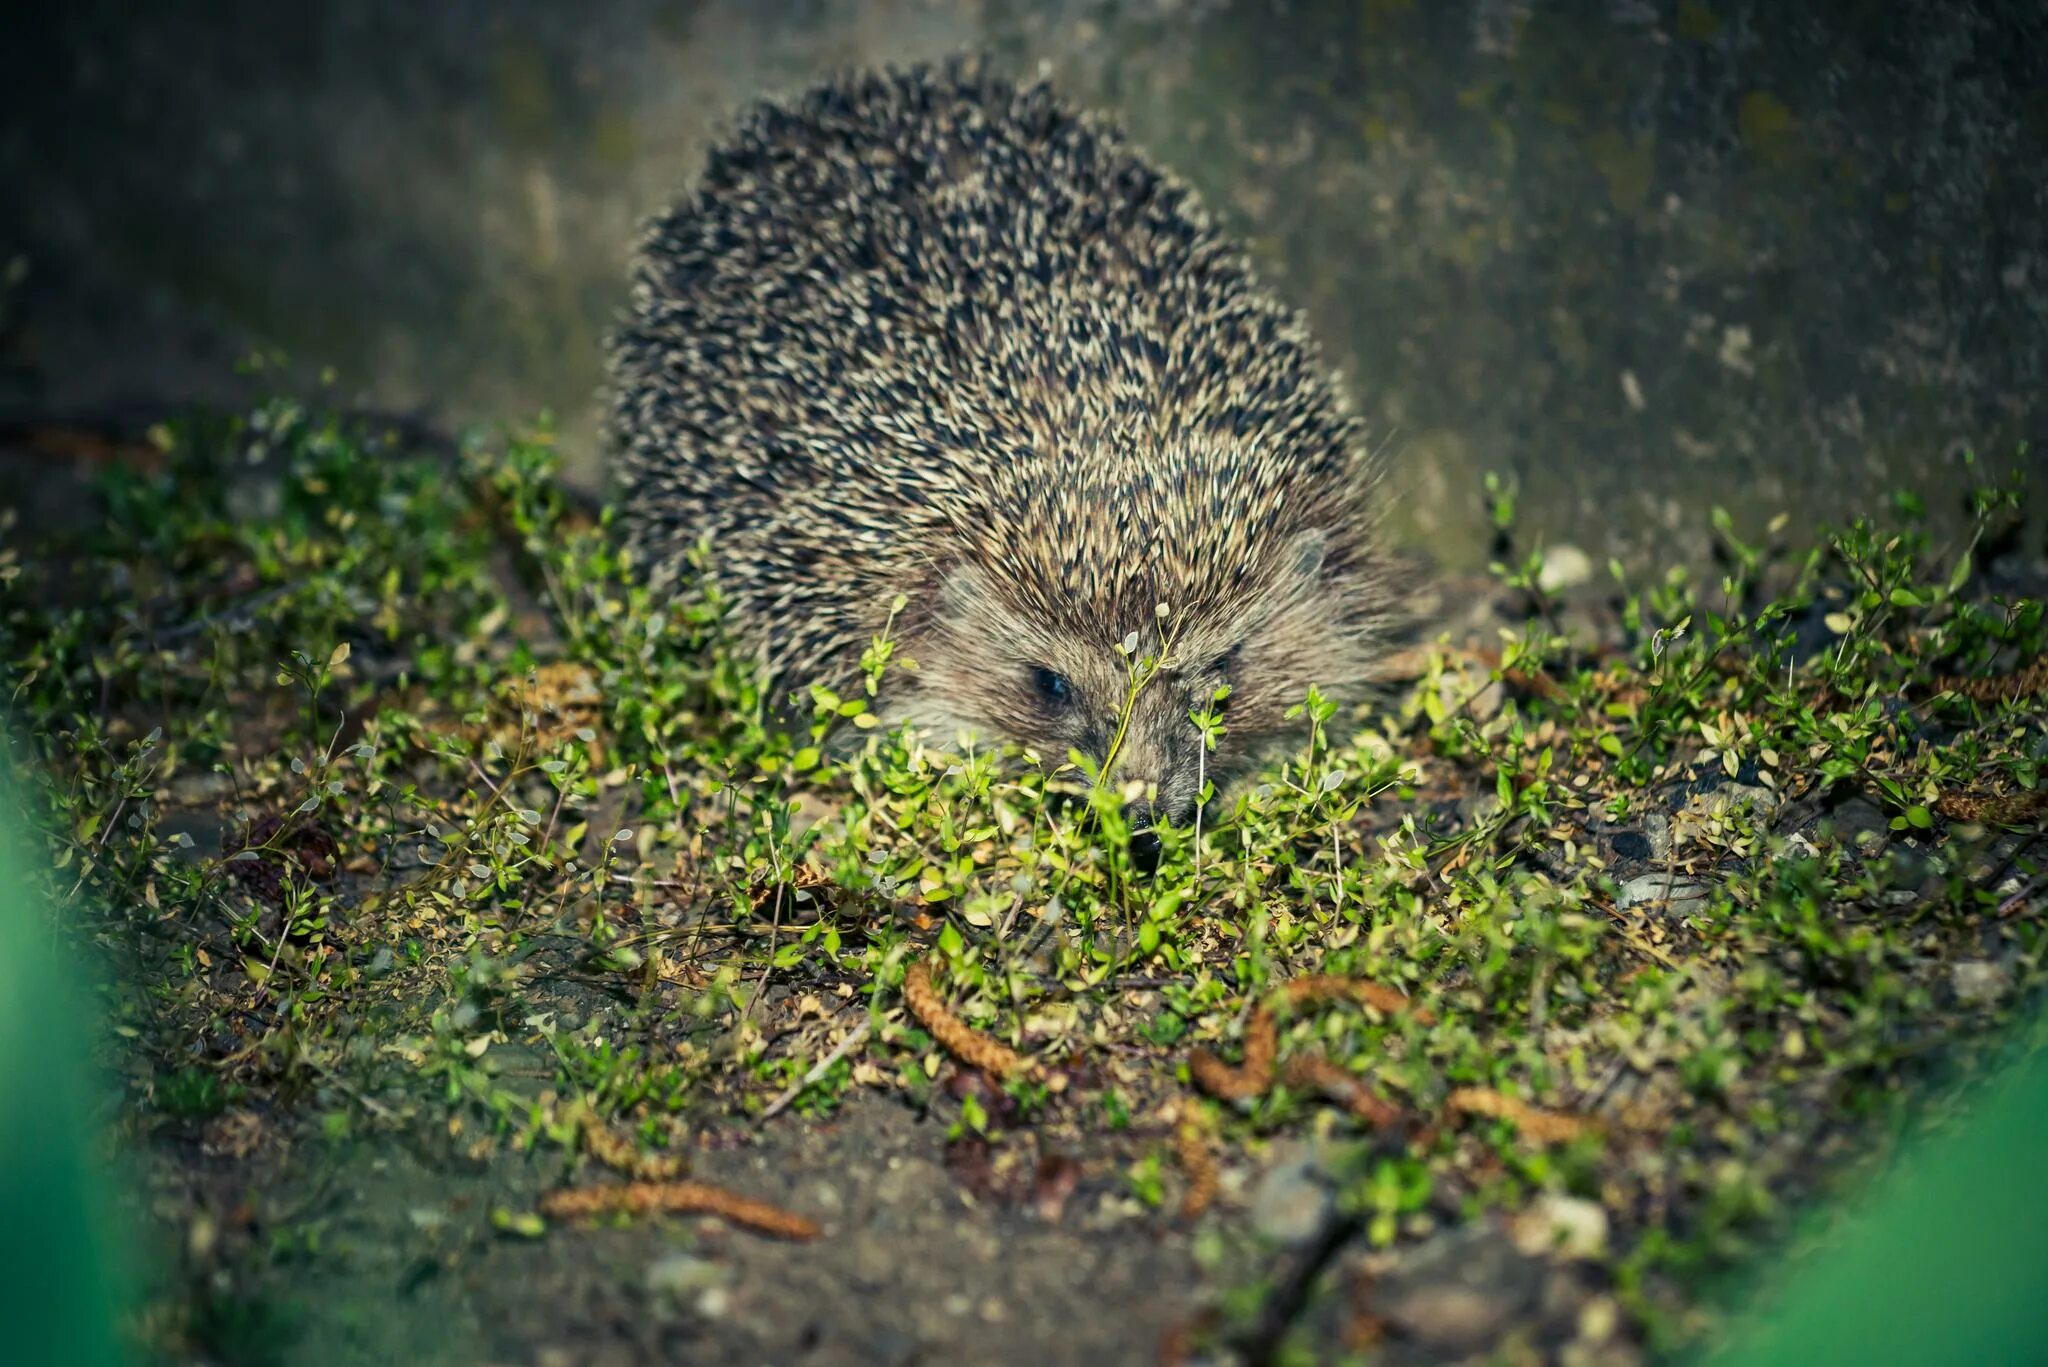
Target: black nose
1144	840
1145	850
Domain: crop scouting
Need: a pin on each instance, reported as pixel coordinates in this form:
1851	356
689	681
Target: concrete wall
1641	256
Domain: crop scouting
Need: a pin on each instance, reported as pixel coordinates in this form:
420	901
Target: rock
1978	982
1476	808
1631	845
1670	893
1990	858
1562	1226
1290	1202
1860	824
1657	830
1458	1291
1564	567
1727	802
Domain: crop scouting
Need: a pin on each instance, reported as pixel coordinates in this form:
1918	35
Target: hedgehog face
1036	682
993	660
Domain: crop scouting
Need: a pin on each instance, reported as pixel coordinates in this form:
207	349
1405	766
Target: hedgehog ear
962	590
1307	553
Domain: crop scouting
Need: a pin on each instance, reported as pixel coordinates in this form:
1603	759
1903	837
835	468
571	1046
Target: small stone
1564	567
1564	1226
1669	892
1990	858
1861	824
713	1302
1475	695
1754	796
1657	830
1978	982
680	1275
1477	808
1598	1320
1290	1203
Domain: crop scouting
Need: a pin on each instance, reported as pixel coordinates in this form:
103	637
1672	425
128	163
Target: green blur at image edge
60	1283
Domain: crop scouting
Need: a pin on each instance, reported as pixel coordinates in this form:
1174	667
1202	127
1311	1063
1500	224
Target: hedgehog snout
1141	816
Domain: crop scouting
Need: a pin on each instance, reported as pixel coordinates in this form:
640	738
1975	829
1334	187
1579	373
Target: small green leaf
526	1224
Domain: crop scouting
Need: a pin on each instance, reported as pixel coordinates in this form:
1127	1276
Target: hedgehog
932	352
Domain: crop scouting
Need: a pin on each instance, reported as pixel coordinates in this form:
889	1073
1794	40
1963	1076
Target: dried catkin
621	1154
699	1198
2007	810
1996	687
954	1035
1198	1165
1317	1074
1534	1123
1262	1033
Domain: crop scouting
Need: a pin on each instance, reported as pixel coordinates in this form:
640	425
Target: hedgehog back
923	317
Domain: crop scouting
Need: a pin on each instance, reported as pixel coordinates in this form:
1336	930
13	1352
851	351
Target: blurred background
1642	257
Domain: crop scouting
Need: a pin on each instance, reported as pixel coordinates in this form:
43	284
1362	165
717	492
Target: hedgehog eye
1052	685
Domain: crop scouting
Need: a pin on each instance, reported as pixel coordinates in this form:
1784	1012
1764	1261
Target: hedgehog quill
924	332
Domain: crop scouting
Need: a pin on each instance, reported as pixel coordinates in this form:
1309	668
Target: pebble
1564	567
1480	698
1729	802
681	1275
1990	858
1290	1202
1564	1226
1979	982
1860	823
1675	894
